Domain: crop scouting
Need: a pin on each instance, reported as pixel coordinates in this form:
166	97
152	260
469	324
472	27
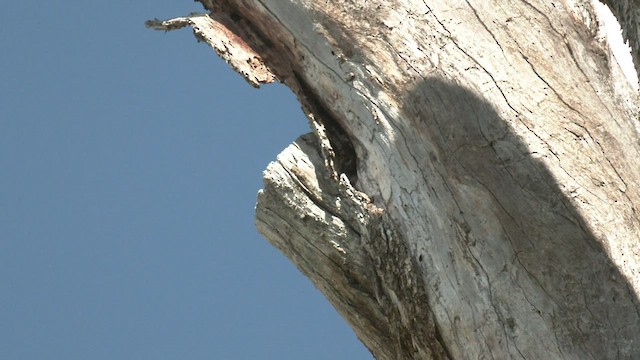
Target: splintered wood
217	30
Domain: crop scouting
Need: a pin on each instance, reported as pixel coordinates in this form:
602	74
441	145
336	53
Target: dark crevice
278	55
345	158
438	336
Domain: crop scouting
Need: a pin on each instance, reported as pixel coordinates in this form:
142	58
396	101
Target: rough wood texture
220	32
471	186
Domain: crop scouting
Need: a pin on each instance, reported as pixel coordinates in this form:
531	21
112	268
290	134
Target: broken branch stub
218	30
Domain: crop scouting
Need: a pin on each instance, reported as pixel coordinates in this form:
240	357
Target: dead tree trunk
471	185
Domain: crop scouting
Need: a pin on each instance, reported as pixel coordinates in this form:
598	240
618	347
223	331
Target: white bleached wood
471	186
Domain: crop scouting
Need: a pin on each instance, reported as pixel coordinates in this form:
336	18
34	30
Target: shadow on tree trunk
523	256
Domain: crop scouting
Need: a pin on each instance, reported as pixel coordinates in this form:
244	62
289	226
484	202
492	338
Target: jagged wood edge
627	12
217	30
382	296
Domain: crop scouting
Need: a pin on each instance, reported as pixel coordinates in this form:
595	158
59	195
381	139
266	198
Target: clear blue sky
129	165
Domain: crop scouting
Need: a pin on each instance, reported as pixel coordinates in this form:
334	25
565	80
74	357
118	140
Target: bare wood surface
470	189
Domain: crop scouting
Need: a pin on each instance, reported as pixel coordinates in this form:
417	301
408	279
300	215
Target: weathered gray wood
471	186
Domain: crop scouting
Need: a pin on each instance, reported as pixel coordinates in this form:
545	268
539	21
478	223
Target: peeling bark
219	30
470	188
